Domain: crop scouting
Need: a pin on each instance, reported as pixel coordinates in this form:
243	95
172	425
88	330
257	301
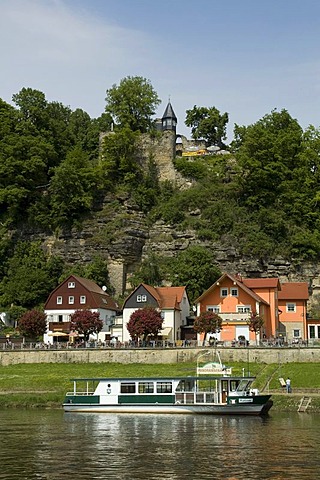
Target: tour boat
215	395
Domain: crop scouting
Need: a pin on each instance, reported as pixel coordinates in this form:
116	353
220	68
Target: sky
244	57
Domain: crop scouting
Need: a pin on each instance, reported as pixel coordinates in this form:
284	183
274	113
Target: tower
169	119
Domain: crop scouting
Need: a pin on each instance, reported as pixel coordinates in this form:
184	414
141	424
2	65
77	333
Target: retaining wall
168	355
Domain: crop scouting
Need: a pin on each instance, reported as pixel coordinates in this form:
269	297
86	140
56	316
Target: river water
48	444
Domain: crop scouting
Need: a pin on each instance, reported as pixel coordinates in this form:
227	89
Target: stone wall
150	356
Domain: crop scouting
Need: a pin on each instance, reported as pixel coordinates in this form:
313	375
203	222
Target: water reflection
50	445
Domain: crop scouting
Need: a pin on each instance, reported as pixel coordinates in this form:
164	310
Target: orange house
234	298
292	303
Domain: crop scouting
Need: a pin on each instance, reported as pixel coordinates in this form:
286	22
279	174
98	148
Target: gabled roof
167	297
262	282
100	297
169	113
171	297
294	291
237	282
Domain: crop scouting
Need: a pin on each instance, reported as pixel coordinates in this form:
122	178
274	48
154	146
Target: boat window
234	385
128	387
164	387
185	386
145	387
243	385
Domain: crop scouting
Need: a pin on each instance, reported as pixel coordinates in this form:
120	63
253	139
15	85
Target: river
48	444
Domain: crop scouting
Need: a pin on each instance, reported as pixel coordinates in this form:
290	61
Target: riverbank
168	355
44	385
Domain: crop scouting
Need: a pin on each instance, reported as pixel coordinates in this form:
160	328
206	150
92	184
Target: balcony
59	327
235	317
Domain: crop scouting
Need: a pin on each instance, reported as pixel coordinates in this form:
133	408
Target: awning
165	332
57	334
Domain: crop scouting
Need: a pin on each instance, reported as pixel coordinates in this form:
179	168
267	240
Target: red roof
294	291
171	297
262	282
166	297
237	281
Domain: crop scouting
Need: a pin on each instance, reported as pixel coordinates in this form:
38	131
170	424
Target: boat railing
77	393
196	397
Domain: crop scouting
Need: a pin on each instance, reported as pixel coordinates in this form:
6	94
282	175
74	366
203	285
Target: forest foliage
262	198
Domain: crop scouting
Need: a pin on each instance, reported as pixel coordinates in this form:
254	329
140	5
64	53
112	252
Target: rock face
120	234
125	239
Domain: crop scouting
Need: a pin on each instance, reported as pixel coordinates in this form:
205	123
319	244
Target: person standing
288	385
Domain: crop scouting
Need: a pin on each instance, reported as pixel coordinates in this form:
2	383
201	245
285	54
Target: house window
71	285
71	300
141	298
234	292
296	333
243	309
60	318
59	300
312	331
223	292
213	308
291	307
82	299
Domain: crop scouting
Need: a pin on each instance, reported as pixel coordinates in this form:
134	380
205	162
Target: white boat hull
223	409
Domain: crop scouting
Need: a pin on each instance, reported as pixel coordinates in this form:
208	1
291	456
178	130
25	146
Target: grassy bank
44	385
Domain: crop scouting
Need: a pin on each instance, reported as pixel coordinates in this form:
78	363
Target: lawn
45	384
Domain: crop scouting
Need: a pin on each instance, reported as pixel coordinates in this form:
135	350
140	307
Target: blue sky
245	57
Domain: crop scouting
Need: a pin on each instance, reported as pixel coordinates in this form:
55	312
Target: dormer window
71	284
141	298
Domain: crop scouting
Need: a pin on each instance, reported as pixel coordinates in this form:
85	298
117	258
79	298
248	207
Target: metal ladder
304	404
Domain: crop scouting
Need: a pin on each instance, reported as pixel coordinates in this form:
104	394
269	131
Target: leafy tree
268	154
30	276
208	124
86	322
256	323
33	324
72	188
15	313
132	103
32	104
144	322
195	269
207	322
97	270
118	157
150	272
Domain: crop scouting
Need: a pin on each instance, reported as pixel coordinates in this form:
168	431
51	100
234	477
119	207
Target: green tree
73	188
208	124
268	154
144	322
33	324
132	103
29	276
86	322
207	322
119	158
194	268
150	272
